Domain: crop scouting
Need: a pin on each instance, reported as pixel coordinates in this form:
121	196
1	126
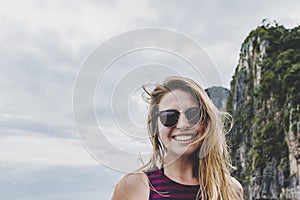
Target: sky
72	119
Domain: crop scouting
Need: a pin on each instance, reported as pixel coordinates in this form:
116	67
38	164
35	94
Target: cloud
80	22
221	26
56	182
39	151
13	123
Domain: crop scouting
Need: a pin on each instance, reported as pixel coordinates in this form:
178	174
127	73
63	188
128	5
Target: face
178	137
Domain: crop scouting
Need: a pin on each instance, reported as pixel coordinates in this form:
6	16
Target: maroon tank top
162	188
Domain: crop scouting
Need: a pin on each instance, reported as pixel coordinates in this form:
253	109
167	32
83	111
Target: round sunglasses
169	118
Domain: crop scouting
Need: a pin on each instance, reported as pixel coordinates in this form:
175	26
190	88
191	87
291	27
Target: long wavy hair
212	164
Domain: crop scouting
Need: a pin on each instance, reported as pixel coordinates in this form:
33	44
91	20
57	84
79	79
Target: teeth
184	137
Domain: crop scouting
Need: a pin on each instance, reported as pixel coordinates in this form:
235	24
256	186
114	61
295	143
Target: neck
182	169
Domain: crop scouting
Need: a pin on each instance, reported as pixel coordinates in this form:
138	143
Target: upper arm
133	186
238	187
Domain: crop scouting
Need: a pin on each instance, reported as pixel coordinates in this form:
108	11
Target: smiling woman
189	159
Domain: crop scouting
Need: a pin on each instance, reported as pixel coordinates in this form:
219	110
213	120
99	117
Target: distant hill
219	96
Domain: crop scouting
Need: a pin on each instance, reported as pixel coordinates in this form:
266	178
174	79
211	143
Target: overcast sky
44	47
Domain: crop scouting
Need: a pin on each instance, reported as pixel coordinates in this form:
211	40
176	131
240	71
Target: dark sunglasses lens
193	115
169	118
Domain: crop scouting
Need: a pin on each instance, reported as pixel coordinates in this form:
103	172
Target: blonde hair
212	163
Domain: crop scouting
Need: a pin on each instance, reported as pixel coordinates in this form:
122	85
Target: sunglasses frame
176	114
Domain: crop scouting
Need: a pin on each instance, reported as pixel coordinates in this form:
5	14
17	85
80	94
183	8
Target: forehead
177	99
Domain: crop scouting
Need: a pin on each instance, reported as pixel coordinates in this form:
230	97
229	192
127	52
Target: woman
189	160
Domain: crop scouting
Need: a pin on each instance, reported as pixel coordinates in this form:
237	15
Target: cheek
164	133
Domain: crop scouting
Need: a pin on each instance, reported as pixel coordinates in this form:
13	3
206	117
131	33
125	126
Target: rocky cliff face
219	96
264	101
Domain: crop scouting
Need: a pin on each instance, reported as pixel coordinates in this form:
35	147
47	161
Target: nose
183	122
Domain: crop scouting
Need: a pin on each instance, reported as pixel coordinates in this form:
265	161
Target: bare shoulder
133	186
238	187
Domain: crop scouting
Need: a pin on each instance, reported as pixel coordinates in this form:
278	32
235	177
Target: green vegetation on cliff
264	101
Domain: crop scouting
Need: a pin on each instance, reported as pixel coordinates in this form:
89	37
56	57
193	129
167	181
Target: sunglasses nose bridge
182	122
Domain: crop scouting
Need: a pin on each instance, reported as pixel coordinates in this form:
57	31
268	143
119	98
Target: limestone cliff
264	101
219	96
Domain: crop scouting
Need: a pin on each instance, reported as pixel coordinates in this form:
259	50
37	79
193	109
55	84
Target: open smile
185	137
